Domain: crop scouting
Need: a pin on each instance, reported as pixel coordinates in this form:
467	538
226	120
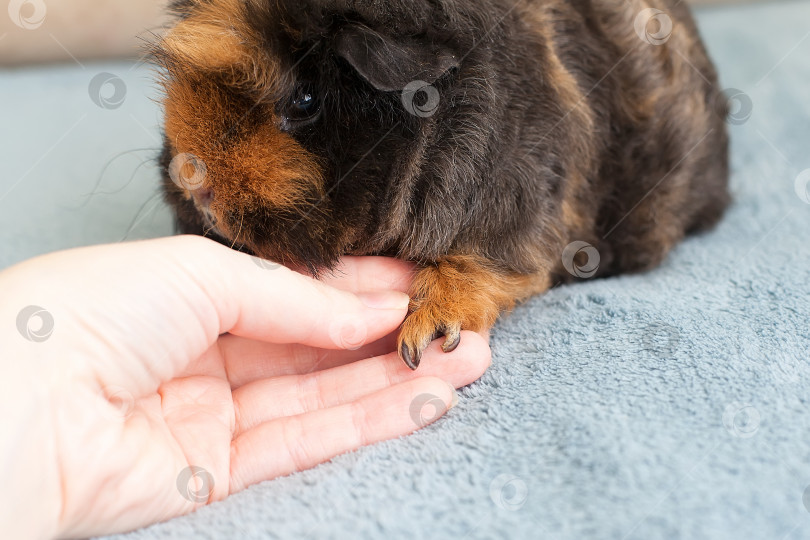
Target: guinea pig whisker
89	196
209	229
151	40
137	219
131	178
241	222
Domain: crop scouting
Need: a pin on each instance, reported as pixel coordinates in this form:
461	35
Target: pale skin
178	353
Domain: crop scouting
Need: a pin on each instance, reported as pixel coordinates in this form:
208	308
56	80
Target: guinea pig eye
303	109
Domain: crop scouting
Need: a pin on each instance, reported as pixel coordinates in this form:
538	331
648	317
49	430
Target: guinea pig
503	146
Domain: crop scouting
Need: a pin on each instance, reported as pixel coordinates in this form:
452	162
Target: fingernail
454	400
384	299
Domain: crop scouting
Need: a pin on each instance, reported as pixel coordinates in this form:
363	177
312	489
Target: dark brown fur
556	123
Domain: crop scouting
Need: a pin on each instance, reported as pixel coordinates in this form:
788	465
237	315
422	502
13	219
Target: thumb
274	304
162	303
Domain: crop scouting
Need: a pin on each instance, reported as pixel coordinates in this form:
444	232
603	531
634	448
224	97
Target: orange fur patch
215	39
463	292
468	289
250	164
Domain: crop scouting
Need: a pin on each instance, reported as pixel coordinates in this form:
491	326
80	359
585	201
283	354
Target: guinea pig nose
203	196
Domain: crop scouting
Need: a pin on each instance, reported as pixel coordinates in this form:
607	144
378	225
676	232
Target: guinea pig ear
391	64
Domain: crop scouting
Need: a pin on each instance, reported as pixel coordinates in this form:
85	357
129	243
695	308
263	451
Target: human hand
138	407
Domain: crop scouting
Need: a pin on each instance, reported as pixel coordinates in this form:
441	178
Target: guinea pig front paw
460	292
420	329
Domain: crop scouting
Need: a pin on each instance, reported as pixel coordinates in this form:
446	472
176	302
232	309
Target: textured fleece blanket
674	404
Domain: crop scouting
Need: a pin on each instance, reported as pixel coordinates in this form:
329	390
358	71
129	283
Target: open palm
178	371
